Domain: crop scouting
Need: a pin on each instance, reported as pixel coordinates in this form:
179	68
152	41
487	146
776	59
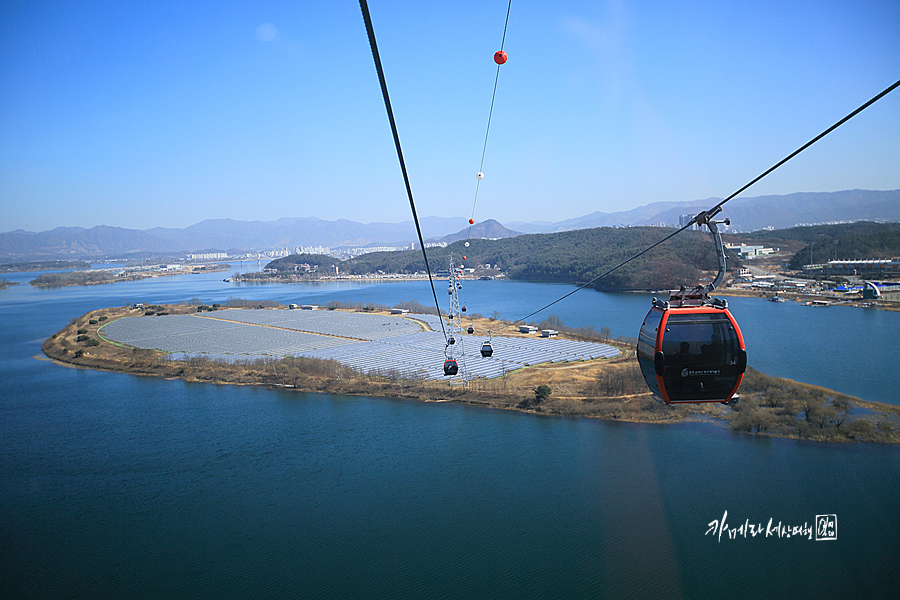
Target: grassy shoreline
611	389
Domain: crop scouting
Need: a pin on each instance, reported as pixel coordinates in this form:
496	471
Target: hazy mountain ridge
215	235
76	242
781	212
746	214
648	214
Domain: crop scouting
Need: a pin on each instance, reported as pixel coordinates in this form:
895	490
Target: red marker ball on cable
471	221
500	57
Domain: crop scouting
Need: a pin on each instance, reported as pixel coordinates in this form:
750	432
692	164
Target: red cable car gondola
690	348
691	353
451	367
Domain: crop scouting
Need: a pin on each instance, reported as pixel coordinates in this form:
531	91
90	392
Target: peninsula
610	388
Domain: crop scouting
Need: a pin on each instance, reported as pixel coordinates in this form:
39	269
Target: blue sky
167	113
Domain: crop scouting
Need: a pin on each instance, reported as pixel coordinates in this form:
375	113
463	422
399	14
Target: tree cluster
43	265
771	405
71	278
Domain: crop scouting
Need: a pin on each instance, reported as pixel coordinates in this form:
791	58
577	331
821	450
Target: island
118	275
610	388
43	265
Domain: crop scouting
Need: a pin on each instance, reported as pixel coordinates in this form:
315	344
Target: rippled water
119	486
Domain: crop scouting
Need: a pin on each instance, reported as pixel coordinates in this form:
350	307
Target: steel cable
387	104
718	207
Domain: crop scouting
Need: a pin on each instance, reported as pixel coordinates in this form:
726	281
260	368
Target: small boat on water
776	299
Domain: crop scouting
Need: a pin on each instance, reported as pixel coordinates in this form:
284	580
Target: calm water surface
120	486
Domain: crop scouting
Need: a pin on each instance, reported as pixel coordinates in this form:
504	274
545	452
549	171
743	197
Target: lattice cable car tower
455	349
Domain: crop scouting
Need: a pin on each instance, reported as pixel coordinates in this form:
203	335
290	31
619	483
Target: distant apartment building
324	250
684	220
208	256
291	250
369	250
282	252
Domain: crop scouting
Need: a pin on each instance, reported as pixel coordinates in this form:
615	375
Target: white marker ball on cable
467	244
479	175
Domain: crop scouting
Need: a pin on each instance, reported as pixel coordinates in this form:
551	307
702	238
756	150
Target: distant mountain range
227	235
746	214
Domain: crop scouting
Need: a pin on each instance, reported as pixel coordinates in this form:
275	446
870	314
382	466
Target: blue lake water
121	486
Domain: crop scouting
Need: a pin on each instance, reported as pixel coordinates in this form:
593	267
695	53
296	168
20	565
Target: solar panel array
192	335
433	321
352	325
376	344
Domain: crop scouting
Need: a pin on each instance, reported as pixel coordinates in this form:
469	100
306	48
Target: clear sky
144	114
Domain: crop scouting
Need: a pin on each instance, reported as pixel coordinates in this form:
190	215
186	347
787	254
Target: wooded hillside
856	241
572	256
581	255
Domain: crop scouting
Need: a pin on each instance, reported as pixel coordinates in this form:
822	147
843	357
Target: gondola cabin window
647	348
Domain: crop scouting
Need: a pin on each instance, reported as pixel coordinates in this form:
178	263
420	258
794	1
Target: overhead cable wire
488	130
718	207
390	113
872	101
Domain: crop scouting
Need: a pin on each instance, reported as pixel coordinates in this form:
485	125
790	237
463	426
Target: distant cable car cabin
487	349
451	367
